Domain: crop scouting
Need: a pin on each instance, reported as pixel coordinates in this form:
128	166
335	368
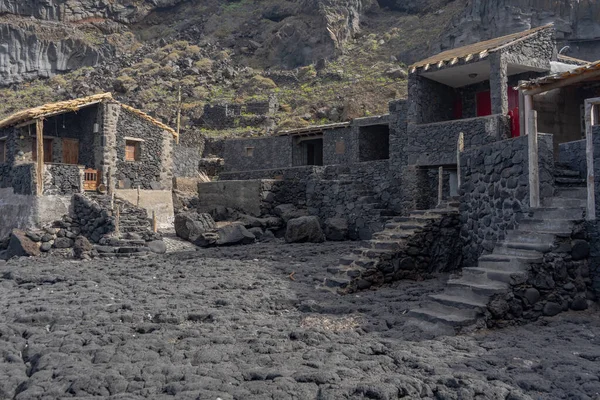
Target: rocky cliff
577	23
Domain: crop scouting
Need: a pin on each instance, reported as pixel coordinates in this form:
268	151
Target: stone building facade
88	143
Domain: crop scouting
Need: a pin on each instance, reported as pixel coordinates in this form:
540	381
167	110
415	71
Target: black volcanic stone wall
62	179
145	173
495	191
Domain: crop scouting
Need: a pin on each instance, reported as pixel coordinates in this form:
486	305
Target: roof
50	109
571	60
580	72
313	129
480	49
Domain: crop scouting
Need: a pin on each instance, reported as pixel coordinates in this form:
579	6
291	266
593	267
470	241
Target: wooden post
138	196
178	115
590	214
534	174
440	185
39	137
154	222
460	147
112	201
528	108
117	221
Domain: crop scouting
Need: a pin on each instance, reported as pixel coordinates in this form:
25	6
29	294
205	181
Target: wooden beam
563	82
528	108
39	137
440	185
460	146
534	173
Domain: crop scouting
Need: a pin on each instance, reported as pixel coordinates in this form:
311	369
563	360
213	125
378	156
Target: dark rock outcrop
21	246
304	229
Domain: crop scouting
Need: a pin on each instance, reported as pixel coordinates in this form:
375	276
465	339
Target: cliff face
577	23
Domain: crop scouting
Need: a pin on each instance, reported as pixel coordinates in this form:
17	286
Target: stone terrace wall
495	191
340	146
435	144
154	169
62	179
268	153
573	154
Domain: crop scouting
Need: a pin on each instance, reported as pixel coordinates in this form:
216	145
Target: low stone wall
17	211
435	144
252	197
563	281
573	155
60	179
158	201
24	179
495	191
91	219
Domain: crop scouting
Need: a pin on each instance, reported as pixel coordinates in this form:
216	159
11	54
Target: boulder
222	213
207	239
257	232
336	229
288	211
304	229
63	243
234	234
81	246
21	246
190	225
157	246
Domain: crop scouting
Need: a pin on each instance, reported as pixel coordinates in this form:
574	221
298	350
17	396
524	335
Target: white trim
132	139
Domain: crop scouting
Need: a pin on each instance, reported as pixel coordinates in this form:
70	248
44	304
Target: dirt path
232	324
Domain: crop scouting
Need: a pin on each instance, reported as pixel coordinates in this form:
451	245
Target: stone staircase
380	251
463	305
135	229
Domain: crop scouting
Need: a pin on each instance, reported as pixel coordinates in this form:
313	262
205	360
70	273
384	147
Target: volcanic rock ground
231	324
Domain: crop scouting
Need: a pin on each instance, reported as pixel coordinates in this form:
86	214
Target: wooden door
513	111
484	104
70	151
47	150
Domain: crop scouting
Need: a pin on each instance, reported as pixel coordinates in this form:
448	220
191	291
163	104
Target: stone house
51	152
360	140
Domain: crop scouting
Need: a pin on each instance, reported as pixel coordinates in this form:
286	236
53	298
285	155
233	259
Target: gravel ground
232	324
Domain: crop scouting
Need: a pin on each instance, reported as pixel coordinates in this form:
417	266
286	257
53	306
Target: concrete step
363	262
433	212
567	181
347	260
524	236
564	202
576	192
484	275
458	301
522	249
489	288
393	235
372	253
409	225
575	213
563	172
385	244
554	226
440	313
534	258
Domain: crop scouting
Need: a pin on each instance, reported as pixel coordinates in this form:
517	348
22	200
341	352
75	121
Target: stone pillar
166	158
499	83
110	117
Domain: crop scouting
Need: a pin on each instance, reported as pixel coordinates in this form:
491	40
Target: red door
513	111
484	104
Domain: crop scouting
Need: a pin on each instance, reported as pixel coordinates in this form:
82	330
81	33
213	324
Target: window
2	151
132	150
249	151
340	147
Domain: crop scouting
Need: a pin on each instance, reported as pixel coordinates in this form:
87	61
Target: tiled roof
476	50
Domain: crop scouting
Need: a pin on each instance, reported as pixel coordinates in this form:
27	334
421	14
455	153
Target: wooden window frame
136	145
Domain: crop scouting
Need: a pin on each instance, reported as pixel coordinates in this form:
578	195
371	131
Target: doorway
70	151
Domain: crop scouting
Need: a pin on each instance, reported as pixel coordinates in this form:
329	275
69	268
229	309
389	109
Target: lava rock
579	303
157	246
580	250
288	211
532	295
21	246
81	246
234	234
336	229
304	229
190	225
63	243
551	309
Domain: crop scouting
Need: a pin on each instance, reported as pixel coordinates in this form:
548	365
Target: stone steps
464	301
